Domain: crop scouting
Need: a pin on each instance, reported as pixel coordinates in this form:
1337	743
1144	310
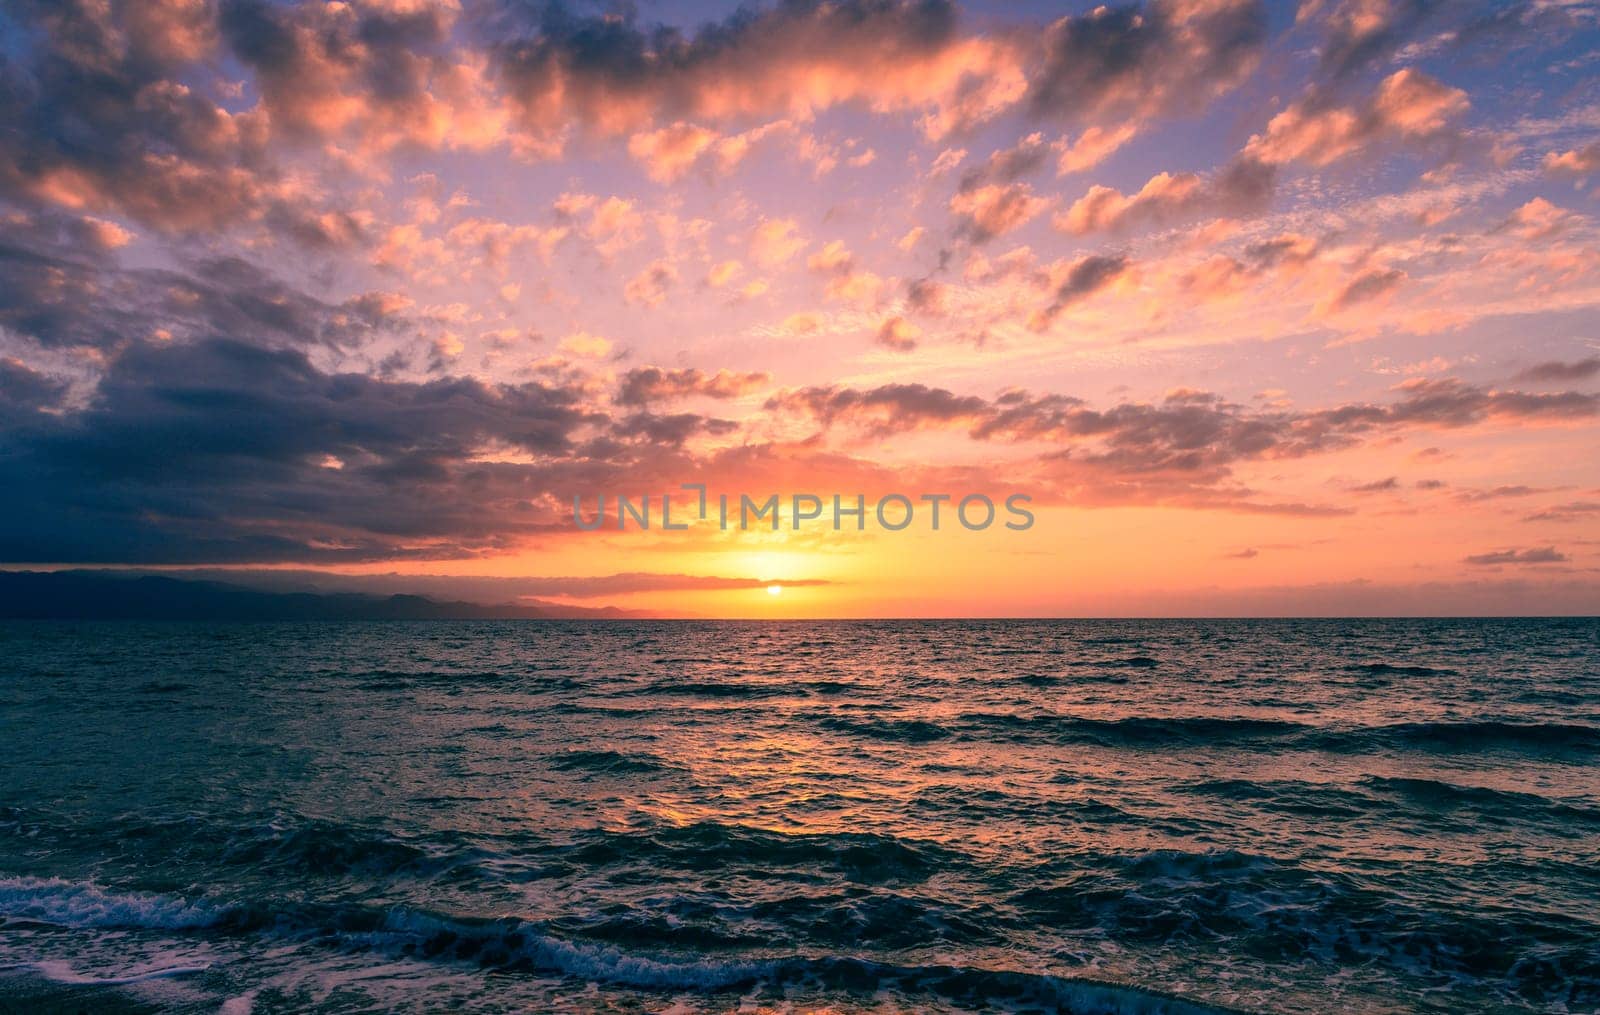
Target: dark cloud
1378	486
892	408
669	429
1447	402
121	107
1146	58
644	385
224	451
1087	276
1286	249
1008	165
1367	286
323	69
1359	35
98	114
1187	442
61	285
562	65
927	296
1537	555
1572	511
482	589
1558	372
1499	493
24	390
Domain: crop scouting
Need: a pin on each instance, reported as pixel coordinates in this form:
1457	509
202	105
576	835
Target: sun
774	590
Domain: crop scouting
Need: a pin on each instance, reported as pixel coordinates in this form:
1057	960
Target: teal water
1352	816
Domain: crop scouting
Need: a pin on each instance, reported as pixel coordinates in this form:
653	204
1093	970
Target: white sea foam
62	972
80	904
606	964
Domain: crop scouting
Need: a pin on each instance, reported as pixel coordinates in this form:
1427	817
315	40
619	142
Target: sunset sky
1269	307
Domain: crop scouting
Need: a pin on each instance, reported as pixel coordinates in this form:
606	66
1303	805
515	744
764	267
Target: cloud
669	153
898	334
63	292
1537	555
589	346
380	75
488	243
1559	372
846	282
1572	511
1576	162
669	430
1539	219
649	287
1379	486
1243	186
723	272
833	259
984	212
25	390
1008	165
1499	493
1407	106
1092	147
776	241
645	385
927	296
1365	287
1359	33
1190	435
1448	403
1080	280
1362	34
892	408
612	73
218	451
1146	60
97	118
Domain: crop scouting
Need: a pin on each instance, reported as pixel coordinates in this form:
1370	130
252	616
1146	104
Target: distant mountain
80	595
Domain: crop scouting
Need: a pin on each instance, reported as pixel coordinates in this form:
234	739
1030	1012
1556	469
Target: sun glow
774	590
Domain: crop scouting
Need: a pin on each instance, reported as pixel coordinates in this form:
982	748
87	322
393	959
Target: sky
1267	308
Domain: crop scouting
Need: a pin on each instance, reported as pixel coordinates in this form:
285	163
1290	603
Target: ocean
1353	816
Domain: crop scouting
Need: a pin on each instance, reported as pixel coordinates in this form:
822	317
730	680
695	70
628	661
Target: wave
609	762
82	905
862	857
512	945
1273	909
912	731
331	849
1401	669
713	689
1378	794
1505	803
1544	739
1284	913
1130	662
